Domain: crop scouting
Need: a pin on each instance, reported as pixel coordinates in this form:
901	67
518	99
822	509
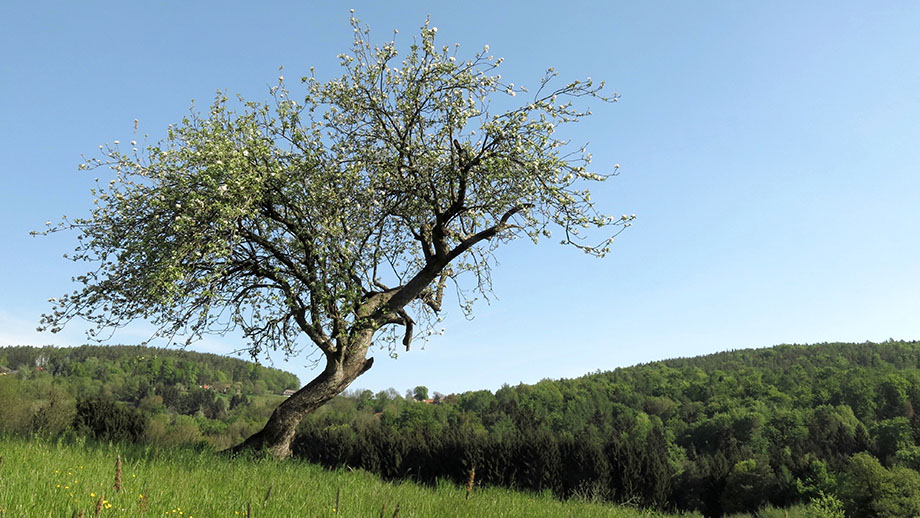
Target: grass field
60	479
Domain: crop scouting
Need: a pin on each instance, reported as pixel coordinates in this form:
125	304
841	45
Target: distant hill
148	365
721	433
165	395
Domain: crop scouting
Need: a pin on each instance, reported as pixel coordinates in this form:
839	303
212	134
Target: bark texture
278	434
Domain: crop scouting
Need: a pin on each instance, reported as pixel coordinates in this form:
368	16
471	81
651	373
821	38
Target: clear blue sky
769	149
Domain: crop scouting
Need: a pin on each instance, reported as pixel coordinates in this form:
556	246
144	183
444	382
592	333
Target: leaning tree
335	222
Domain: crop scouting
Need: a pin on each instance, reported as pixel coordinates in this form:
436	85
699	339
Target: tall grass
64	478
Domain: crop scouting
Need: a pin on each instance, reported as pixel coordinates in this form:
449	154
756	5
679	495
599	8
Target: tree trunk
278	433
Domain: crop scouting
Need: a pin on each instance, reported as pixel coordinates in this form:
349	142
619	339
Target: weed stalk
267	494
118	474
470	482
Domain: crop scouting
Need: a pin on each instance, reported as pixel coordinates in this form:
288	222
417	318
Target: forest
164	396
731	432
726	433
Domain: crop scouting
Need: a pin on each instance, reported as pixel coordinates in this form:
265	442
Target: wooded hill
165	396
723	433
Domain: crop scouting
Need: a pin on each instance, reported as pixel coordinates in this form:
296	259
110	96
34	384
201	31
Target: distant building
288	392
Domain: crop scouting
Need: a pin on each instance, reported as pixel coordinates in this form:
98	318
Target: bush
109	421
825	506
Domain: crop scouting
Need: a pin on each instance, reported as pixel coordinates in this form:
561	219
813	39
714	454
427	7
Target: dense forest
724	433
165	396
733	432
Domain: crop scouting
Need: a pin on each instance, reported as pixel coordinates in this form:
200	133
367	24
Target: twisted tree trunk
278	434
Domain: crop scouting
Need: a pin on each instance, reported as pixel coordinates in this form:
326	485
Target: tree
870	490
340	219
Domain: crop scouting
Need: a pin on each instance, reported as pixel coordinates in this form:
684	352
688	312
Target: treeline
164	396
725	433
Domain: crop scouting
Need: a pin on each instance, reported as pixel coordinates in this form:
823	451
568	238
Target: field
60	479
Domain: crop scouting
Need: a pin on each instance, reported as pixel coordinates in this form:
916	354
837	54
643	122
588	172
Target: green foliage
733	432
420	393
825	506
717	449
114	380
868	490
109	421
14	412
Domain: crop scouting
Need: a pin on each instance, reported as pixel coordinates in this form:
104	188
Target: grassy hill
41	479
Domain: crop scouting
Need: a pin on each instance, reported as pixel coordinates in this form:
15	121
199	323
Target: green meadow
40	478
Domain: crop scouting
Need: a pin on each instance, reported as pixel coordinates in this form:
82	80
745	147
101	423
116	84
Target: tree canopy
341	217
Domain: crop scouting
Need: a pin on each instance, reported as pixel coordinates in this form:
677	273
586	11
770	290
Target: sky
770	151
